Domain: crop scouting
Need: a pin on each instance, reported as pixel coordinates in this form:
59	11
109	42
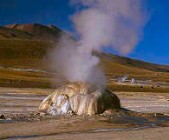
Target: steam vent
79	98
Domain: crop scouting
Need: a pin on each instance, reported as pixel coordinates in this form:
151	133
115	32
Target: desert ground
144	116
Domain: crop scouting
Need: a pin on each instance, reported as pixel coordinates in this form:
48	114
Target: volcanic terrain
26	79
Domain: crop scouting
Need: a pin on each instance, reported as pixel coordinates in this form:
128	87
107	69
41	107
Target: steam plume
100	23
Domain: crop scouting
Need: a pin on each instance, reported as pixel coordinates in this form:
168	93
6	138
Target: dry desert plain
144	116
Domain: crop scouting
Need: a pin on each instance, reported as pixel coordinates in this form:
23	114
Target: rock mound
79	98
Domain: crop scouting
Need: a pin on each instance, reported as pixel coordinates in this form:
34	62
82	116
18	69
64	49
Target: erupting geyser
99	23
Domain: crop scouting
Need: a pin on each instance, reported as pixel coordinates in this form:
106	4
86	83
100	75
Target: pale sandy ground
121	126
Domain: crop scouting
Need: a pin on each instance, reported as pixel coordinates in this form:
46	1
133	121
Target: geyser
79	98
99	24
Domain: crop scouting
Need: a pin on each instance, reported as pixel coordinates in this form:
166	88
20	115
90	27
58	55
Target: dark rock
2	116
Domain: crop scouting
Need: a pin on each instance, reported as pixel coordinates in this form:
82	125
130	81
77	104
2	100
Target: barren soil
145	117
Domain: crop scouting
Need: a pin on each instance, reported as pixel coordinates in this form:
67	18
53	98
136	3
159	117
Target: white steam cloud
100	23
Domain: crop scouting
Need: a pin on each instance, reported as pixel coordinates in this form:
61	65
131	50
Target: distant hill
14	33
136	63
30	31
27	46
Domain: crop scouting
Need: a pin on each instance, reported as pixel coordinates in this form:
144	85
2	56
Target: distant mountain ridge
13	33
137	63
20	43
30	31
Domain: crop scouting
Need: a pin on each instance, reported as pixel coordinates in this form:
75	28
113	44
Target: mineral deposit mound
79	98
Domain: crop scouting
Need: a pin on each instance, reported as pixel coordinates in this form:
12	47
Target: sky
154	46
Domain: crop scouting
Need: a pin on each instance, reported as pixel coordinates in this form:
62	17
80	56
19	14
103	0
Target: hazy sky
154	46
